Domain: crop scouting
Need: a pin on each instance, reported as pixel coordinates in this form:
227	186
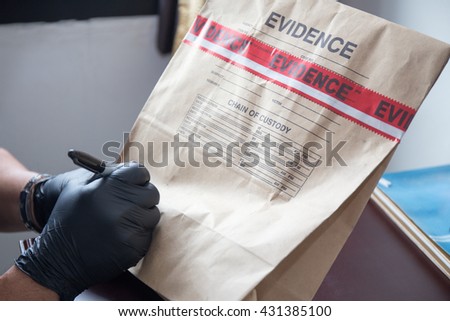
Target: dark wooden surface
380	263
377	263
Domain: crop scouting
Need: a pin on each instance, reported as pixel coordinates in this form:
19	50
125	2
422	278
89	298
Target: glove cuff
28	204
24	264
36	264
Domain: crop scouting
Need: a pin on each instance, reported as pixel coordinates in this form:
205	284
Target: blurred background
75	74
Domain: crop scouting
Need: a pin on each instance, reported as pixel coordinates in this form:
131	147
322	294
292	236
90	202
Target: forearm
13	178
16	285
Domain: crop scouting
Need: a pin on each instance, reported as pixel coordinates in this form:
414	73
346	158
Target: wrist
16	285
30	198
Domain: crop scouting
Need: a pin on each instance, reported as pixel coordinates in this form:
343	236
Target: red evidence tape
327	88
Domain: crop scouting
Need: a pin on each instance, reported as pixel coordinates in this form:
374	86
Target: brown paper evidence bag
266	135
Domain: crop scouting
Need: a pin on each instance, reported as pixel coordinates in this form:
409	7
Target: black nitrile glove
97	229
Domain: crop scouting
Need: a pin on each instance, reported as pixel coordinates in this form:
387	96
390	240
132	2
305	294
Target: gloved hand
47	194
97	229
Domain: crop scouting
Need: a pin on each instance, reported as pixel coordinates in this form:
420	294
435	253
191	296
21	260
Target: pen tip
71	153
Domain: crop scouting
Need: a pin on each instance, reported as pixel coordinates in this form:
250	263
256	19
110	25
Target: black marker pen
90	163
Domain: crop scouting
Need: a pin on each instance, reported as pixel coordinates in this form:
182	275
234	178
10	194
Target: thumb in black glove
97	229
47	192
